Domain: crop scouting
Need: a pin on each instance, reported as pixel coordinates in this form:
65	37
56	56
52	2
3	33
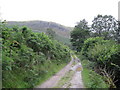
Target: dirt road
75	81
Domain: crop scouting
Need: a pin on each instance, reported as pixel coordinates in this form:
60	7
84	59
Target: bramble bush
104	53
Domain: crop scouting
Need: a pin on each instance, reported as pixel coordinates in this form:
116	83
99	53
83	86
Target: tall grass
90	78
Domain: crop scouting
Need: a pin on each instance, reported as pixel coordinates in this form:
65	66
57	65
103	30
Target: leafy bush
90	43
90	78
27	53
103	53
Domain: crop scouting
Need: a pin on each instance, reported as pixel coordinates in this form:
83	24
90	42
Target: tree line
100	44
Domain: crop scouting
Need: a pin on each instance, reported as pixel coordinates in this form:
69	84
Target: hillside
41	26
62	32
29	58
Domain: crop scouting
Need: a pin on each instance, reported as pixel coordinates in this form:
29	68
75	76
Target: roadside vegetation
90	78
98	47
29	58
104	55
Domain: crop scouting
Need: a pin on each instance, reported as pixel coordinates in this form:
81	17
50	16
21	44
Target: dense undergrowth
104	59
29	58
91	79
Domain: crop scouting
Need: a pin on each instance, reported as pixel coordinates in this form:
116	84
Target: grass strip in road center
65	79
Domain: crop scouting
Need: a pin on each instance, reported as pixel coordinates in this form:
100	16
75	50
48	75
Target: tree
26	32
105	26
83	24
79	34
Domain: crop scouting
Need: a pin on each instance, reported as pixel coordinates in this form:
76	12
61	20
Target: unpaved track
75	82
54	79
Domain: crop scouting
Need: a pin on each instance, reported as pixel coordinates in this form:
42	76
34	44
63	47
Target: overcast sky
65	12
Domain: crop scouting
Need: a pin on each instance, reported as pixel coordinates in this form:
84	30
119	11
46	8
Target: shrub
103	53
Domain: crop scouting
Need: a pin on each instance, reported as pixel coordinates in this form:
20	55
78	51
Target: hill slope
30	58
41	26
62	32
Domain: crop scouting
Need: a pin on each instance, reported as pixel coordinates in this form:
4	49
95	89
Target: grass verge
20	78
52	70
90	78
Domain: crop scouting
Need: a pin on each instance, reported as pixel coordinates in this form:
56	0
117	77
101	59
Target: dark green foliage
25	55
79	34
105	26
42	26
90	78
105	53
100	46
